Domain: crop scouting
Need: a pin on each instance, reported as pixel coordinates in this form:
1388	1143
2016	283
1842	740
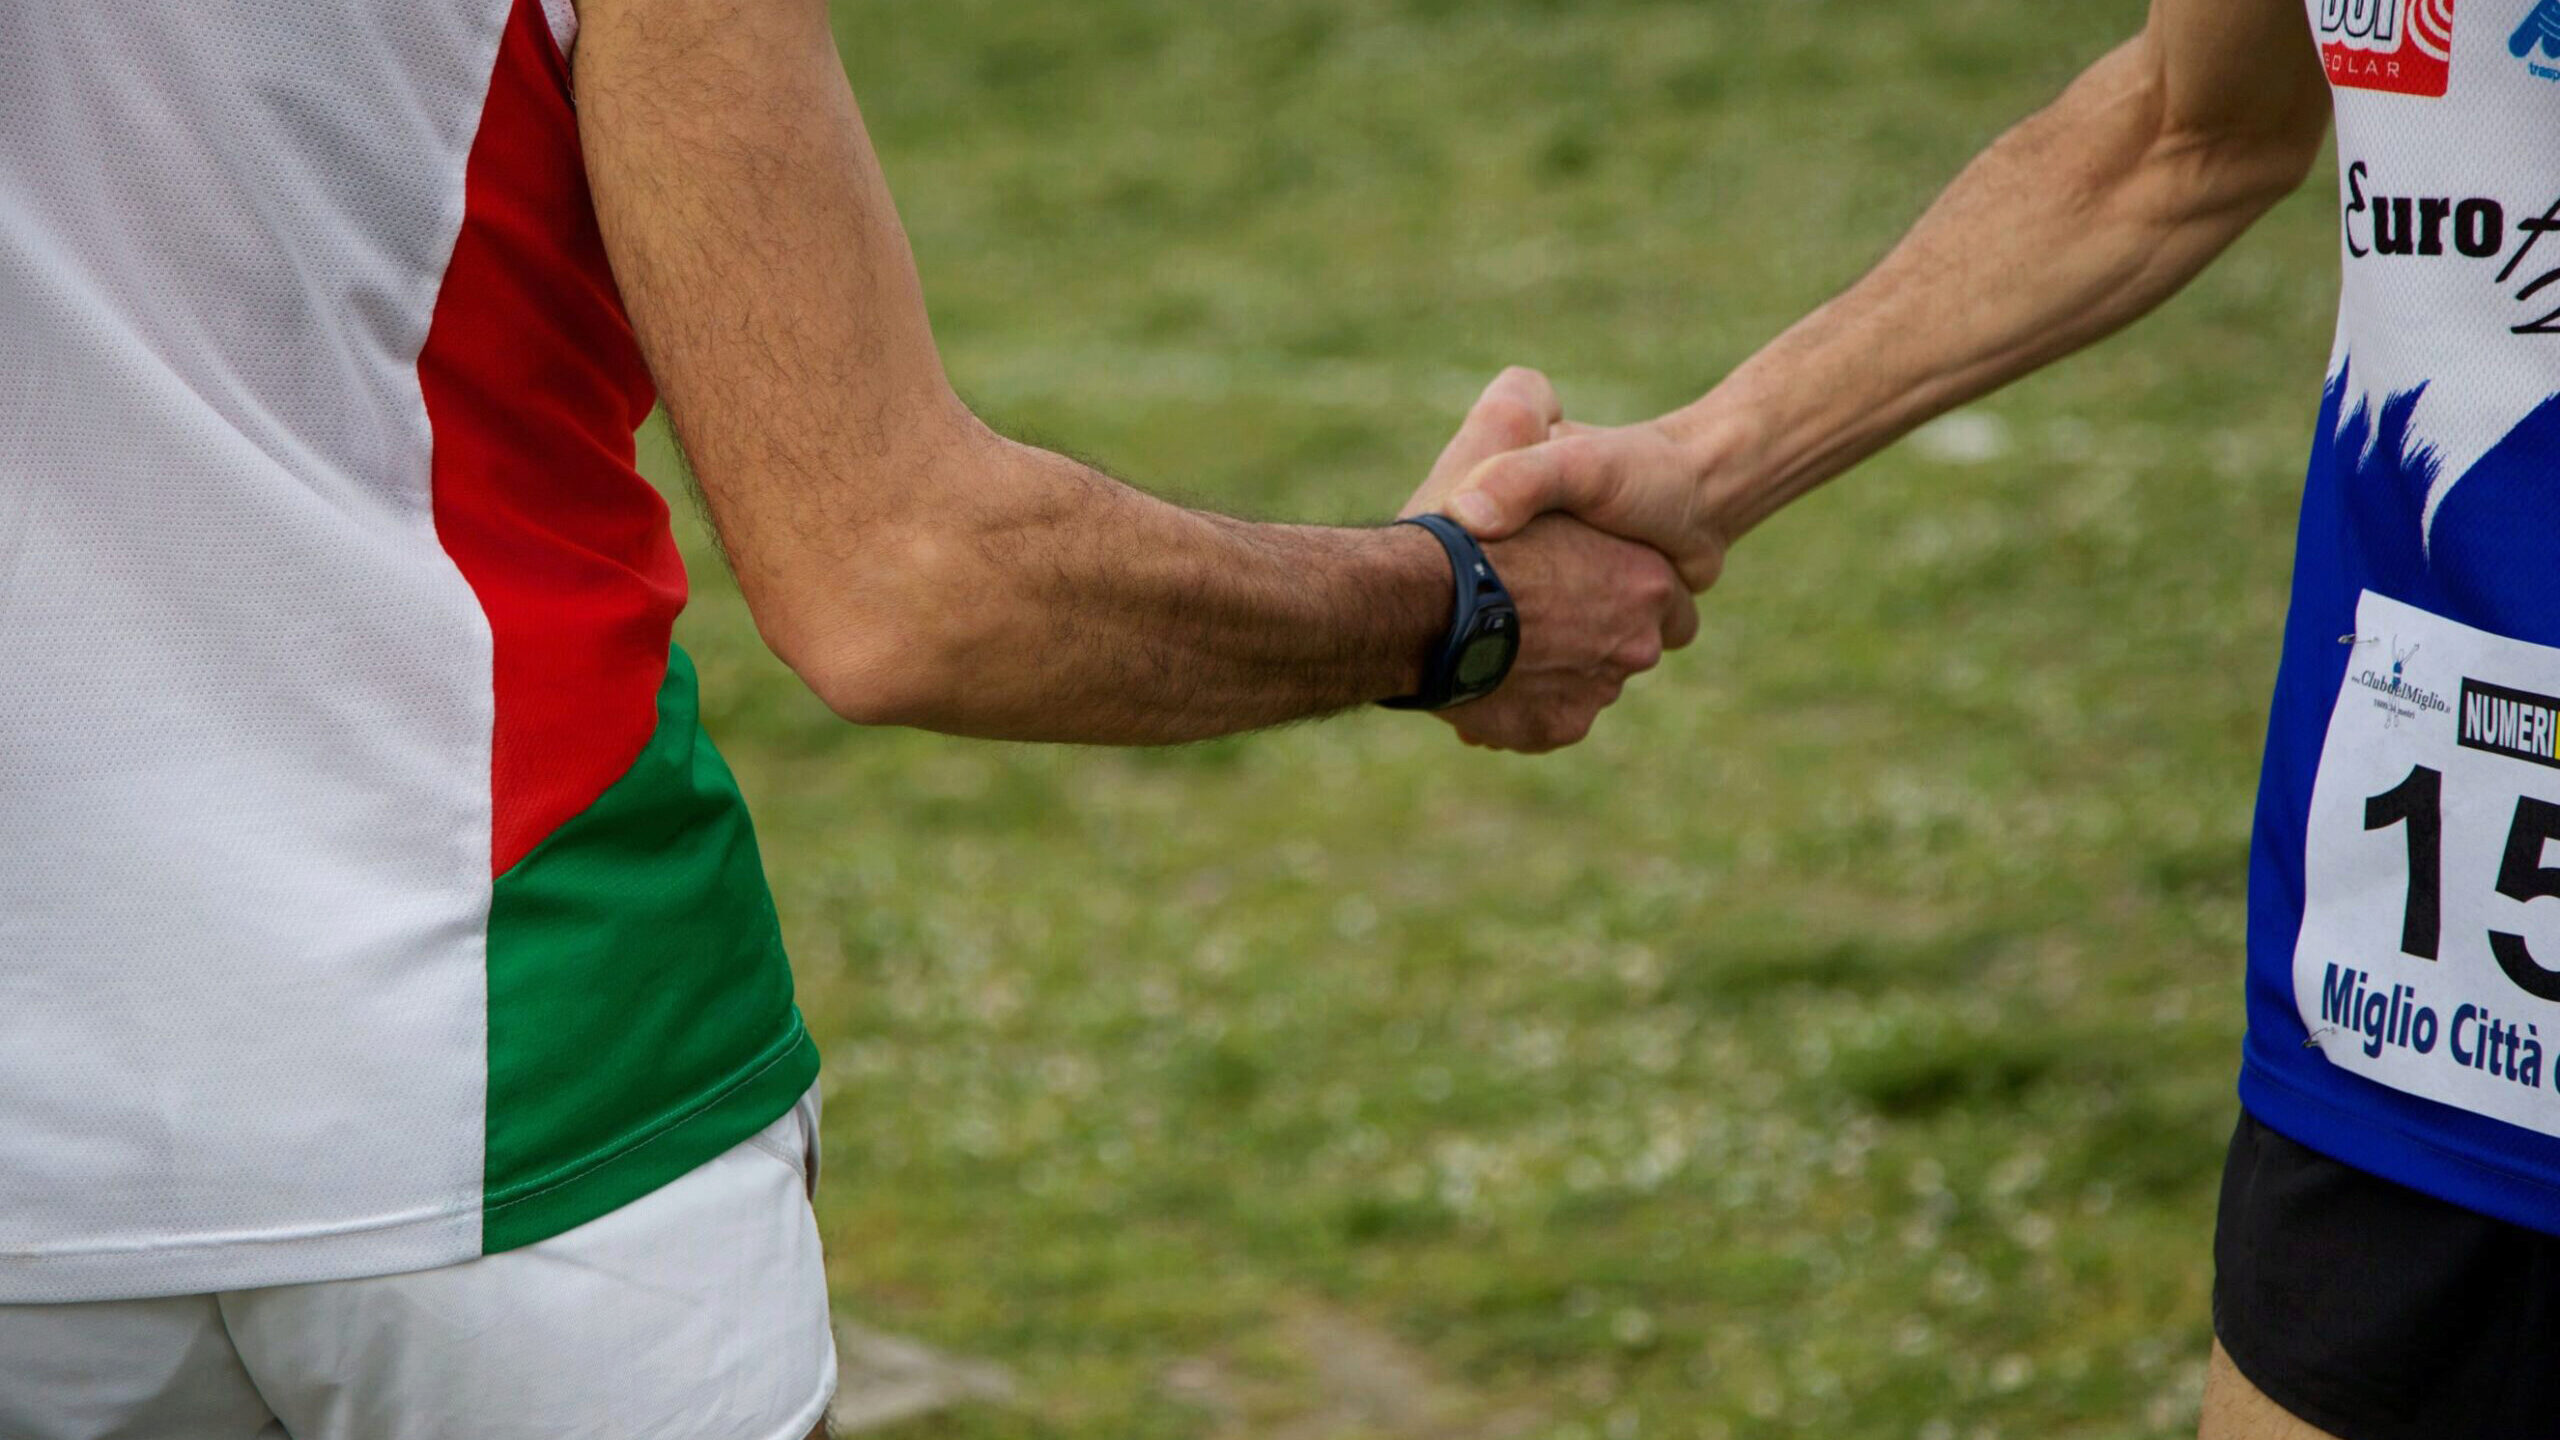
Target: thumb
1508	491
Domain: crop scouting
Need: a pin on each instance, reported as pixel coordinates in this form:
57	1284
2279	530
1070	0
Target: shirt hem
184	1265
726	1118
181	1266
2375	1145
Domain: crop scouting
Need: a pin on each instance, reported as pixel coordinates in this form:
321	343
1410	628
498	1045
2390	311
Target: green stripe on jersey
640	1012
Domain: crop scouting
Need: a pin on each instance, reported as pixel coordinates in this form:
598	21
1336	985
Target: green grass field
1840	1044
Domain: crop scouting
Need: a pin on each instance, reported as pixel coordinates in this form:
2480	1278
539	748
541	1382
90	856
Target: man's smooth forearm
2071	226
2083	217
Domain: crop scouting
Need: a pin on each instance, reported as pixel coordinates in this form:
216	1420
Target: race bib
2430	949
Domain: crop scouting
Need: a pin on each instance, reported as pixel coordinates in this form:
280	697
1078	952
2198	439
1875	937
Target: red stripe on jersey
534	386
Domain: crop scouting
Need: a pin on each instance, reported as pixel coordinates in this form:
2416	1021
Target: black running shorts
2378	1313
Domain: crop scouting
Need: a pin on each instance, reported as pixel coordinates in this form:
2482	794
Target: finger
1639	655
1681	625
1700	569
1564	429
1508	491
1547	723
1515	410
1500	723
1531	388
1473	737
1565	732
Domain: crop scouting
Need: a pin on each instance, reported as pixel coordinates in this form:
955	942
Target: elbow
895	617
2245	163
2279	162
2218	182
886	679
2184	150
890	647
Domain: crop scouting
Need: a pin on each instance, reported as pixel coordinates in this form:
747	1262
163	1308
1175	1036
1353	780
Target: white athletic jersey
369	897
2404	942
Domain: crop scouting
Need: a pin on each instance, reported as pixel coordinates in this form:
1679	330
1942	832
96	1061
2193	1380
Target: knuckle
1593	463
1510	419
1509	481
1480	726
1564	724
1532	388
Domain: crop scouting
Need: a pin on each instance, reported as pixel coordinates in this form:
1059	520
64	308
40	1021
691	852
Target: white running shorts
697	1312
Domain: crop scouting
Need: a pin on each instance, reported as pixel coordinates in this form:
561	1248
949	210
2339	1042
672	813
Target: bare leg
2234	1410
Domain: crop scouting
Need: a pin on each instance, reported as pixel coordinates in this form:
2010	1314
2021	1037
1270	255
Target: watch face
1485	657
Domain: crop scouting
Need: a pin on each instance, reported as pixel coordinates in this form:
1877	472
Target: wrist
1722	451
1734	462
1482	636
1421	594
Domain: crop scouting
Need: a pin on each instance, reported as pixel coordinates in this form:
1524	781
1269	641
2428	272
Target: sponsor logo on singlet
2382	227
2537	41
2403	46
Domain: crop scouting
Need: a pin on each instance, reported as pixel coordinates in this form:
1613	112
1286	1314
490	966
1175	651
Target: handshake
1601	536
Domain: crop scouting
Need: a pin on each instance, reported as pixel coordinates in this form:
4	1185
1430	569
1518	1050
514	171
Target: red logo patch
2403	46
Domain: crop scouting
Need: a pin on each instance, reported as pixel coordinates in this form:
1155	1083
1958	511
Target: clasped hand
1595	610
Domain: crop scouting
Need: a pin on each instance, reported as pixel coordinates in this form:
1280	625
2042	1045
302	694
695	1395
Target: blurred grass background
1839	1044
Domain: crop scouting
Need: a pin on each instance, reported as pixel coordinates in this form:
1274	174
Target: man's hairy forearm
2071	226
912	566
1058	604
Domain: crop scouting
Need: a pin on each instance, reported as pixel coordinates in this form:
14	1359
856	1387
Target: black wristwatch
1484	627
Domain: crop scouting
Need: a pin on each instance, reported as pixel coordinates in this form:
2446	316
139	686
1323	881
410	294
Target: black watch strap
1482	622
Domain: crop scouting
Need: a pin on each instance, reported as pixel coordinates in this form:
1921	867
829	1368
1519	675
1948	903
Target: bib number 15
2418	803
